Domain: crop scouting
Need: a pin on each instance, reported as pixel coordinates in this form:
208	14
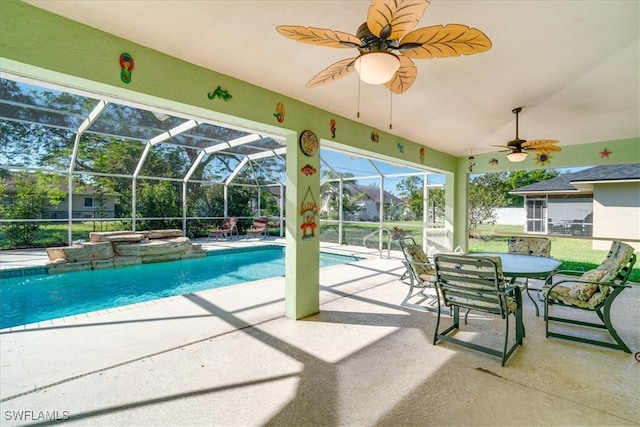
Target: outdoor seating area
478	282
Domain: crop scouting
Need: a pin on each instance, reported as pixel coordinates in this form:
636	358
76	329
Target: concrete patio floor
228	357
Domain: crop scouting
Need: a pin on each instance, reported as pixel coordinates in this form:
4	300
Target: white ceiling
573	65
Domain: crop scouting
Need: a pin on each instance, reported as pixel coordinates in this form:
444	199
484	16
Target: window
88	202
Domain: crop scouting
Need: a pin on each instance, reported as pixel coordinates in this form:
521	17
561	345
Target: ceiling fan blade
538	142
392	19
319	36
543	148
440	41
541	145
504	146
333	72
404	77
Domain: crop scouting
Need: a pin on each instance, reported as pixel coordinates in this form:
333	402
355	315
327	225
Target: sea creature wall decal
279	114
308	170
219	93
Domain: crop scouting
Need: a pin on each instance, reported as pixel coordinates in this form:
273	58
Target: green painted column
457	205
302	279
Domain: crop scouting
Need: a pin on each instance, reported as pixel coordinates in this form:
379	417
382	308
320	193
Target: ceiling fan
387	44
520	147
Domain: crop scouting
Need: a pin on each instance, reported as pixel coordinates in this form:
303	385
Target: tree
330	191
31	200
519	179
486	192
158	200
411	189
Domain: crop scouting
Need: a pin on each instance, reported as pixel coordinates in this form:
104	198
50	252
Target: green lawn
575	254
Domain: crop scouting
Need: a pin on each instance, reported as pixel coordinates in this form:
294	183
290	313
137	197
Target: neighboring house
368	203
602	201
87	202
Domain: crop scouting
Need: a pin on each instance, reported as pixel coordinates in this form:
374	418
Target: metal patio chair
595	291
476	283
419	272
536	246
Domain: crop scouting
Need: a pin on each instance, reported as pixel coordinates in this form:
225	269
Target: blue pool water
32	299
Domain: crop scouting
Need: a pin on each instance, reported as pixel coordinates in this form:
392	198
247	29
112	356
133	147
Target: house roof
372	192
574	182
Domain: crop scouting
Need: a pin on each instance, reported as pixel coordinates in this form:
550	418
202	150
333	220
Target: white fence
510	216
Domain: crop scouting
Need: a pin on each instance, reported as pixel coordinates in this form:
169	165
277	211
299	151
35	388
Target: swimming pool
36	298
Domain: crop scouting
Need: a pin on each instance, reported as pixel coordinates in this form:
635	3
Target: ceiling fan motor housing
372	43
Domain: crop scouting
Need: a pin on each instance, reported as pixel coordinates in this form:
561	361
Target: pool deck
229	357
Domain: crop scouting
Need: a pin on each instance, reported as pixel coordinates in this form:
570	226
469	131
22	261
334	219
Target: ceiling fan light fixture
517	156
377	68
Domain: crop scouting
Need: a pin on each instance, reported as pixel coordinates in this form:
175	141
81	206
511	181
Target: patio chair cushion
511	302
420	263
562	294
590	295
537	246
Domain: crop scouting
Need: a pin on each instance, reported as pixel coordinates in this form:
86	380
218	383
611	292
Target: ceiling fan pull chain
358	99
390	110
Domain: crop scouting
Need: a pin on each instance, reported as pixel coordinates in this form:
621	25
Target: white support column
281	207
340	212
425	212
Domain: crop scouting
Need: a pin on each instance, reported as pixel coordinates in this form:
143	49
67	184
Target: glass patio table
524	266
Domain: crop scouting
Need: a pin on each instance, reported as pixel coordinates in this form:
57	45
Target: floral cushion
538	246
419	262
584	291
591	295
511	303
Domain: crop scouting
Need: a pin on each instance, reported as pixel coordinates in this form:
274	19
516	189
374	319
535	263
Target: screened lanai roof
41	118
36	120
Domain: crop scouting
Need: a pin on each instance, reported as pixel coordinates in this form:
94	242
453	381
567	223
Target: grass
575	254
